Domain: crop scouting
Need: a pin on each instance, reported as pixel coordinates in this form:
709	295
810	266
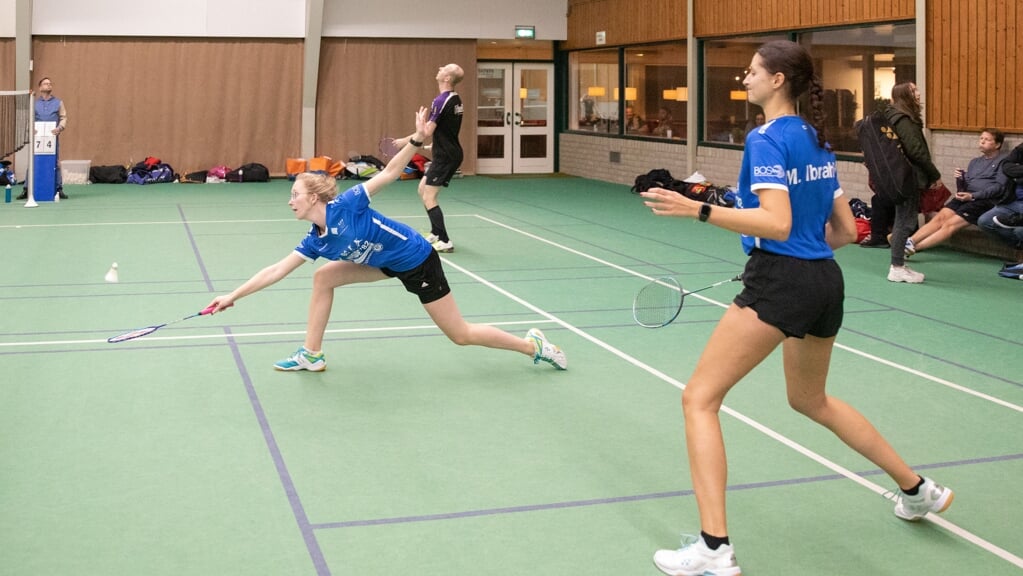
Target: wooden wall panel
7	63
972	64
731	17
624	21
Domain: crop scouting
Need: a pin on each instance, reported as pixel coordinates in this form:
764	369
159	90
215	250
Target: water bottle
7	194
241	175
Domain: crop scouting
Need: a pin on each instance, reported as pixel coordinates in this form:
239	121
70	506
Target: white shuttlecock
112	273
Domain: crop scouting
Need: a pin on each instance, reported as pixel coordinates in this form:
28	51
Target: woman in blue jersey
363	245
791	214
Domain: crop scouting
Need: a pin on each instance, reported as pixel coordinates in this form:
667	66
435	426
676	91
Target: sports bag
108	174
890	171
248	173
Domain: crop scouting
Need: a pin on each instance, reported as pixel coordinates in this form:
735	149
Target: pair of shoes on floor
22	196
1014	220
61	195
302	359
871	244
904	274
544	350
931	497
694	558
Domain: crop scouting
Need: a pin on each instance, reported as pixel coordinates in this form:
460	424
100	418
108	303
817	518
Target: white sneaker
904	274
695	559
442	246
546	351
432	238
932	497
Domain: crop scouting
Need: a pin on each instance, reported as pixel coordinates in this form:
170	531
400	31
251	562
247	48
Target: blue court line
637	497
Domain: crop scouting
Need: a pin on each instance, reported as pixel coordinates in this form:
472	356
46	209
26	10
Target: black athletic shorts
441	172
970	210
796	296
426	280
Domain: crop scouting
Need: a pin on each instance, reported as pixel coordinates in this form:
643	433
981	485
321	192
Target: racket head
658	303
133	334
388	148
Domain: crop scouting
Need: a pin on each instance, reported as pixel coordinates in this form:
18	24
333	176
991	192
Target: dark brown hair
904	101
794	62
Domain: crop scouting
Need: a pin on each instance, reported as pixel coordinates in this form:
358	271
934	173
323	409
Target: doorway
515	119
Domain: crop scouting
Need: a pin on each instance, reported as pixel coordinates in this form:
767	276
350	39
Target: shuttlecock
112	273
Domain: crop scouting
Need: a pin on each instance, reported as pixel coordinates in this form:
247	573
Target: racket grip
208	310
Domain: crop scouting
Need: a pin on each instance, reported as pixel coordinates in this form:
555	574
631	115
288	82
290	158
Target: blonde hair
322	185
455	73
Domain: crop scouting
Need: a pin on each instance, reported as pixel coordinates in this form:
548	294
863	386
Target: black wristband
704	212
415	142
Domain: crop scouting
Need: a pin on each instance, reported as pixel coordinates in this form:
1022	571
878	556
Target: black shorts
426	280
796	296
970	210
441	172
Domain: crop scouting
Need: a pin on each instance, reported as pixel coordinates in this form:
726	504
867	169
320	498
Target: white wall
493	19
7	18
286	18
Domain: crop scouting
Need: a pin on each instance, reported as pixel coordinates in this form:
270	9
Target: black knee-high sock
437	223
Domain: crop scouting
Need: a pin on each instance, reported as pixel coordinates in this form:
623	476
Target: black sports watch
704	212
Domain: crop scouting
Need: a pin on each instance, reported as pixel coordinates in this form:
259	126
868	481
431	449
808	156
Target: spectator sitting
633	122
1005	221
978	189
663	125
755	122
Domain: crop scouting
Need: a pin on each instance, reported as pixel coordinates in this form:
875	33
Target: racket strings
658	303
131	335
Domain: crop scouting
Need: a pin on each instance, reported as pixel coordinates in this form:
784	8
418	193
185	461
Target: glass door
515	130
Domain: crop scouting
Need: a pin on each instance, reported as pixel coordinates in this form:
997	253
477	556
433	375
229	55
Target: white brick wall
589	156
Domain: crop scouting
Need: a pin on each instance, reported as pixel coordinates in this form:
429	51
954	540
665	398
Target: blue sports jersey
357	233
783	154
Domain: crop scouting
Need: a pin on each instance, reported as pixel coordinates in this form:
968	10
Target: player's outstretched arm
265	277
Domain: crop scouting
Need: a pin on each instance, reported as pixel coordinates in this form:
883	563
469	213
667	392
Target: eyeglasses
295	195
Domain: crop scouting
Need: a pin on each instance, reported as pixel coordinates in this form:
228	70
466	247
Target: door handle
507	118
518	119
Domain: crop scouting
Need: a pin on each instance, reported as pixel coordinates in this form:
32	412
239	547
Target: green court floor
184	452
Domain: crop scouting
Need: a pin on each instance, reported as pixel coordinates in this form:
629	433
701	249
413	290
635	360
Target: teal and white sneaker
546	351
302	360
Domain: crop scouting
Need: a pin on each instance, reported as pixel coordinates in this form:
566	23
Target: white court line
949	526
432	327
866	355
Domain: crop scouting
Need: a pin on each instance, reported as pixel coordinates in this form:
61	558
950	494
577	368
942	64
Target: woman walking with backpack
904	115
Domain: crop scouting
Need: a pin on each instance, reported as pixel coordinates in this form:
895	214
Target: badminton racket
140	332
659	302
388	149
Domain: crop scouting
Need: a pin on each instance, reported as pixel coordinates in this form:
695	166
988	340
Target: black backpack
249	173
108	174
658	178
891	173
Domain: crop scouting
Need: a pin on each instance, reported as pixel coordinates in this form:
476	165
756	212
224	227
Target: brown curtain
370	88
7	53
194	103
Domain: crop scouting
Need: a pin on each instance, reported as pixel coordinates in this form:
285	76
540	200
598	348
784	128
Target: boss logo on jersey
775	171
458	110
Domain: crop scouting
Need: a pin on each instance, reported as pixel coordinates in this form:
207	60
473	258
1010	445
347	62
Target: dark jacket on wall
914	145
